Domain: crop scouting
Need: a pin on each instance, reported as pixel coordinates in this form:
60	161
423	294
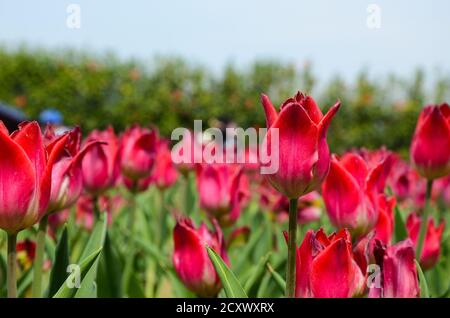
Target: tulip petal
323	163
312	109
356	166
303	266
342	196
269	110
17	184
331	272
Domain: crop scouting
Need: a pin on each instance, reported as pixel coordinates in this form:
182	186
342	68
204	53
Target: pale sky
332	34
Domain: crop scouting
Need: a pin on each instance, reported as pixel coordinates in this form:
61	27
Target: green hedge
95	91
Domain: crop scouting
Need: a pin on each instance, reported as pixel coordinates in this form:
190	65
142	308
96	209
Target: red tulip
350	193
430	147
100	165
25	178
191	260
223	189
398	271
441	190
432	244
326	266
67	179
164	173
302	150
407	185
26	252
137	152
384	228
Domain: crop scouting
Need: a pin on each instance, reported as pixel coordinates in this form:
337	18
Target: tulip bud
430	147
100	165
137	152
301	148
326	267
350	193
164	172
25	178
223	189
398	271
191	260
432	244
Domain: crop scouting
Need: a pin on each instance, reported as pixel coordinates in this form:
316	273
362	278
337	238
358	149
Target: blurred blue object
51	116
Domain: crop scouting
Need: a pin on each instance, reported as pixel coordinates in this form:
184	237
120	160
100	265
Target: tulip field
108	213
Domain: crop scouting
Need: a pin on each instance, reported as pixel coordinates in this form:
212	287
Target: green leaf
277	278
24	282
231	285
67	292
400	228
88	288
61	260
97	238
110	271
252	283
424	291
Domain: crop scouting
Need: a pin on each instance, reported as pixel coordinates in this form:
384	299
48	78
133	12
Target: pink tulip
350	193
137	152
223	190
432	244
99	166
398	271
430	147
164	173
25	178
191	260
302	150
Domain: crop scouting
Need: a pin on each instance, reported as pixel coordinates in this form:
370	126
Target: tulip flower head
164	173
301	148
67	179
350	193
327	268
398	271
191	260
99	166
137	152
432	244
223	190
430	147
25	178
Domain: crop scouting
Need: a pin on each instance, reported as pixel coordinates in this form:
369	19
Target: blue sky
333	35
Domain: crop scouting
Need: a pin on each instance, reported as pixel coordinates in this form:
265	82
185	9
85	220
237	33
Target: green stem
11	273
39	259
292	249
96	208
424	222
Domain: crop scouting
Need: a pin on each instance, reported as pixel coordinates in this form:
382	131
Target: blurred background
96	63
